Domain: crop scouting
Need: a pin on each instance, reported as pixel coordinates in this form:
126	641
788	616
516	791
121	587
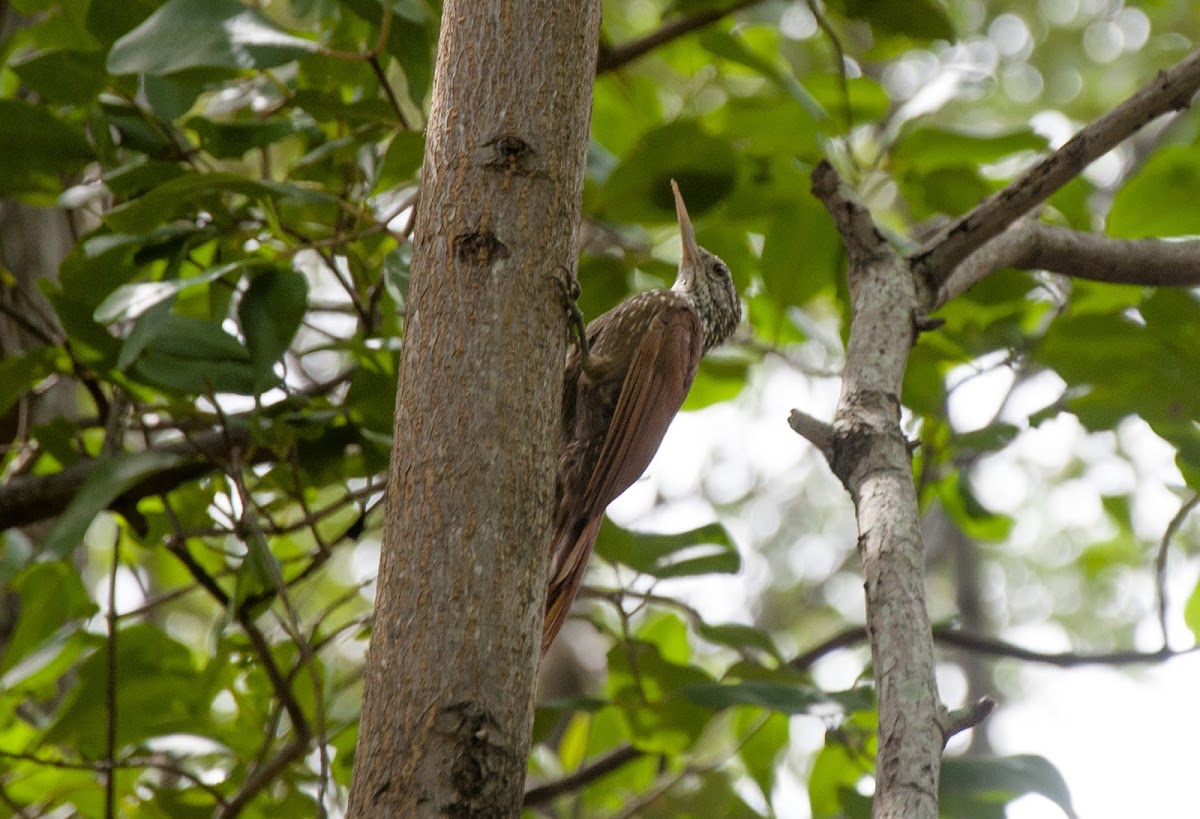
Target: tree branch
814	430
963	719
32	498
871	457
1032	245
584	776
1171	90
950	637
617	56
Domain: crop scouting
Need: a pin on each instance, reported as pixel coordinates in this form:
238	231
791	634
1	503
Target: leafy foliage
225	328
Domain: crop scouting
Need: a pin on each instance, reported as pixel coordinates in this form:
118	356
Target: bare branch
584	776
950	637
871	457
963	719
843	639
1066	659
814	430
862	238
31	498
618	56
1032	245
1171	90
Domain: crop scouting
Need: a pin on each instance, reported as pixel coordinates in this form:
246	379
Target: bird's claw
568	289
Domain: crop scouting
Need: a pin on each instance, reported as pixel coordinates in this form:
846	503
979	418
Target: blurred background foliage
205	261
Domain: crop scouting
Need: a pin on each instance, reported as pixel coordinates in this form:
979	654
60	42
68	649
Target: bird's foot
568	289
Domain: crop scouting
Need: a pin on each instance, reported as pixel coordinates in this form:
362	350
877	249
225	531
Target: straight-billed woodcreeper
620	392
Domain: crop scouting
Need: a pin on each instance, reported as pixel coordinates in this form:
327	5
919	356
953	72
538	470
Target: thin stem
110	687
1160	562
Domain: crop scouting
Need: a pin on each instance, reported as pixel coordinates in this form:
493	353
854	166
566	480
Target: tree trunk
452	667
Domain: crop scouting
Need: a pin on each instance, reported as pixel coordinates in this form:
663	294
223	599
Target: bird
622	385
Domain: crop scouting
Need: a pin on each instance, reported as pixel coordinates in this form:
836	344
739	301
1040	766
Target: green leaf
790	699
959	501
800	253
640	187
73	77
918	19
108	480
647	688
925	148
129	301
738	636
270	314
38	147
722	376
48	595
185	34
20	373
402	160
259	572
186	194
144	331
408	9
1160	198
762	749
665	556
158	689
230	140
735	49
835	774
970	784
991	438
1115	366
869	100
196	357
949	189
1191	611
139	175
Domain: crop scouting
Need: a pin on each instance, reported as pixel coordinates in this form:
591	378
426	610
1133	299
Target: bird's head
706	279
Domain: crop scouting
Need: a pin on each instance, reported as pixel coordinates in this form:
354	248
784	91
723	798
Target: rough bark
870	455
451	671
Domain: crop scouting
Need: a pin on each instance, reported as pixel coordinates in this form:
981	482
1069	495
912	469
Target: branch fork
890	298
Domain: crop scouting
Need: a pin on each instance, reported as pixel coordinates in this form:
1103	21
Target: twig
584	776
827	28
262	775
31	498
388	91
110	687
843	639
636	807
949	637
130	763
1160	562
12	804
618	56
1171	90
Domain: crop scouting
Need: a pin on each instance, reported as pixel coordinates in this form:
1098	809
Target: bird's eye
721	269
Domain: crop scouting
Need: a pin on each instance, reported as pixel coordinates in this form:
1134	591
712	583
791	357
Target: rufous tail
568	563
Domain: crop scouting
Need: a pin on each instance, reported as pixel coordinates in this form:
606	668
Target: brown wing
659	376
